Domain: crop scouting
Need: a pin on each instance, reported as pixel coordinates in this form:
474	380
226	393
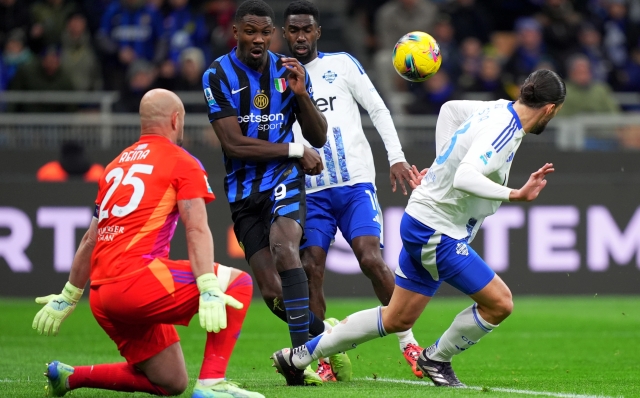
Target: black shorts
253	216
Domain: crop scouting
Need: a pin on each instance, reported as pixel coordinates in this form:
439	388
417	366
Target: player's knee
372	264
398	323
282	250
177	385
502	309
505	307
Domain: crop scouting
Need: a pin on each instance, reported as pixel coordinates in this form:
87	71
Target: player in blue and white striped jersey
254	97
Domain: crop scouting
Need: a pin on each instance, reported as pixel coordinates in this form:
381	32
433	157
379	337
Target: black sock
316	326
295	295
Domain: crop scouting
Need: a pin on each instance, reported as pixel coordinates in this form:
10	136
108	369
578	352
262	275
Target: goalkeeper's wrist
296	150
207	282
72	293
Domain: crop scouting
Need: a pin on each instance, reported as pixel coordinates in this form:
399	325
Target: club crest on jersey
462	249
260	101
209	96
330	76
281	84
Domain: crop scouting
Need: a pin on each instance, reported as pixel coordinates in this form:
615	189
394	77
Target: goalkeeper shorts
138	313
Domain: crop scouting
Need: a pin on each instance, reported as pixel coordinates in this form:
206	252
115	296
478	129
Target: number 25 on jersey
117	175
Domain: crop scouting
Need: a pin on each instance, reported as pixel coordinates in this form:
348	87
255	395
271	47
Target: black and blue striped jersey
265	107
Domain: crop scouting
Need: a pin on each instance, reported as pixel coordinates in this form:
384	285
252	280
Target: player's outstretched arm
59	306
533	186
312	122
213	302
238	146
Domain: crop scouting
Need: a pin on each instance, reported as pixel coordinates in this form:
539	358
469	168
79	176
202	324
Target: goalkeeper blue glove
57	308
213	302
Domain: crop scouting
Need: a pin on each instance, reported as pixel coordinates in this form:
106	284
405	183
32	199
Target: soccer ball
416	56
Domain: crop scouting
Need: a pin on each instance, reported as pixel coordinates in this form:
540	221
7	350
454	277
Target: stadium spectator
432	94
620	36
191	69
584	95
360	28
72	164
529	52
219	19
470	61
510	10
560	28
14	14
78	55
48	19
42	74
393	20
628	78
141	77
15	54
184	28
130	30
489	80
590	41
444	34
469	19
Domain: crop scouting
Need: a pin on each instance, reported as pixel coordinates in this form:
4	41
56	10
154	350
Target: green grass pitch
558	347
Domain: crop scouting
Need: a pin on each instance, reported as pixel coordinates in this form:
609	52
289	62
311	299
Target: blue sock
295	294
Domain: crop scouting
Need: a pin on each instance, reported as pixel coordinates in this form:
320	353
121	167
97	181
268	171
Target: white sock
467	329
355	329
209	382
406	338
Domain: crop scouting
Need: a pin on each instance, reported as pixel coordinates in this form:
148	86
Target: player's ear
235	32
319	32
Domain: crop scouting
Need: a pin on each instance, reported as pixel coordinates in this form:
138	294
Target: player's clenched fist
213	302
311	162
57	308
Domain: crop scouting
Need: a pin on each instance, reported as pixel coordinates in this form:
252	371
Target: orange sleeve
190	179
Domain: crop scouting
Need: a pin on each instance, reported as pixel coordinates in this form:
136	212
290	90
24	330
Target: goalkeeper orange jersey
137	208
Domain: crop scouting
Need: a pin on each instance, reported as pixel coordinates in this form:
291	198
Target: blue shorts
354	209
429	258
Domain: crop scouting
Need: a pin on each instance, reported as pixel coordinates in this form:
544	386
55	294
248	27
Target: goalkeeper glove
57	308
213	302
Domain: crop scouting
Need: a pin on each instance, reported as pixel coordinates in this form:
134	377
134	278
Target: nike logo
278	208
296	317
237	91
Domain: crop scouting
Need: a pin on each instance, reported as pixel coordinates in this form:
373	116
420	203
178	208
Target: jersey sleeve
366	95
217	93
452	114
190	179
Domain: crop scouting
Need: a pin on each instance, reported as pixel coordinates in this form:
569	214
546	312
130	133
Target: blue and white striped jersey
482	134
265	108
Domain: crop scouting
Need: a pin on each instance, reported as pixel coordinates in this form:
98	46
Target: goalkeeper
137	293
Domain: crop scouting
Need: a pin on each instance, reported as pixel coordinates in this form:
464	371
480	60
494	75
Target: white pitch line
497	389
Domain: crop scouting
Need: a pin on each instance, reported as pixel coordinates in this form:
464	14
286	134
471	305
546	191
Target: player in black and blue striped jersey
254	97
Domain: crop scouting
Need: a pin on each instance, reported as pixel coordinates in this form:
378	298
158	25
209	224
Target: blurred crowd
488	46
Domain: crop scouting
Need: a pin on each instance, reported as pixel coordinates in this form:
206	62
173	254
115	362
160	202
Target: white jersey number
129	179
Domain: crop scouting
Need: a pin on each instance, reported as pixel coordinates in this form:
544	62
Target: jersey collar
515	115
244	67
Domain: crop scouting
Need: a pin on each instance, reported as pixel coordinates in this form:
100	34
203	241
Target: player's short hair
542	87
254	7
302	7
